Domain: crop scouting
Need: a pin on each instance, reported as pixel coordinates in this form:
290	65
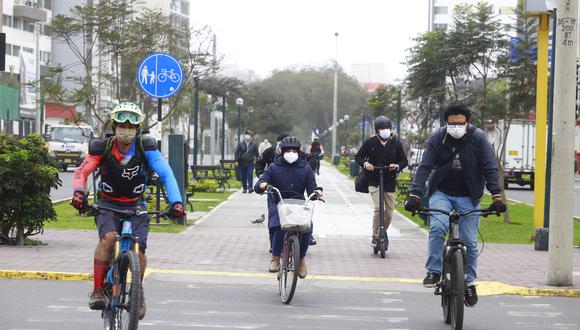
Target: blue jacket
478	162
291	179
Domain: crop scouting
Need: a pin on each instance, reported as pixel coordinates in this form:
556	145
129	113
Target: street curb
485	288
43	275
204	217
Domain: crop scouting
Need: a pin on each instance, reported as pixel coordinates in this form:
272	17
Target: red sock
101	267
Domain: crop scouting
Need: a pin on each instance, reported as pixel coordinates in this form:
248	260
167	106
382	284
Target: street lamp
240	103
334	108
346	118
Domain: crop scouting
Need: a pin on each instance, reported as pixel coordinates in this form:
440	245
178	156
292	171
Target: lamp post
240	103
346	118
334	108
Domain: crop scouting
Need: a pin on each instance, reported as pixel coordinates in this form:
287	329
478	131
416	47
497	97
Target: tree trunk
20	236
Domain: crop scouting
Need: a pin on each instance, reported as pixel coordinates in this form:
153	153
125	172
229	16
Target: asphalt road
64	191
250	303
525	195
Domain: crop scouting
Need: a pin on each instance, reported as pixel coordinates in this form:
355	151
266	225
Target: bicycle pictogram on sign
160	75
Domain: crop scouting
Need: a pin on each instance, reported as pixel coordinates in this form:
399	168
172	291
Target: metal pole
224	129
560	257
399	112
541	119
364	121
239	124
335	99
195	119
550	127
38	117
158	190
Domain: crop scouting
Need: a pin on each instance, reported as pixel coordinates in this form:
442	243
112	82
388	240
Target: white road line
534	314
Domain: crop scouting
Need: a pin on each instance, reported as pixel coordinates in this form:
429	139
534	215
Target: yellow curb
484	288
42	275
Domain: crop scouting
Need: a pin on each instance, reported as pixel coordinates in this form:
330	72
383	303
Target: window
45	57
440	27
15	50
17	23
28	50
47	4
45	30
8	49
27	25
440	10
7	20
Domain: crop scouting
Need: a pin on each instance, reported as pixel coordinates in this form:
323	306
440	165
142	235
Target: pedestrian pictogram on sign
160	75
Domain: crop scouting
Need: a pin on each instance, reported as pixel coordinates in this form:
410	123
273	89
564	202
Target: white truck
68	144
520	147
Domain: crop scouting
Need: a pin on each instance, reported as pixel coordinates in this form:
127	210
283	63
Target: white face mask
457	131
291	157
384	133
125	135
247	138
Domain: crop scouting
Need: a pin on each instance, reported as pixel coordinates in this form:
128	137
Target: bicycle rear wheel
125	315
289	268
456	298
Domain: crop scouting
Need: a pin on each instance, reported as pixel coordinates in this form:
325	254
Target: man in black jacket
383	149
457	162
246	153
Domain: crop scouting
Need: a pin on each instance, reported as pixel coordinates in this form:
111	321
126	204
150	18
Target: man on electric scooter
124	160
382	149
458	161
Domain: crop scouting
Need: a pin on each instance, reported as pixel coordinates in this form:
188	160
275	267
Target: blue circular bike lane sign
160	75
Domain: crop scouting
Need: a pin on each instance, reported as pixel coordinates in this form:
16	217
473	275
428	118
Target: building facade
441	13
27	41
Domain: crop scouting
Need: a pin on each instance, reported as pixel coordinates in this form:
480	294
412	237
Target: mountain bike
123	282
295	219
383	242
451	285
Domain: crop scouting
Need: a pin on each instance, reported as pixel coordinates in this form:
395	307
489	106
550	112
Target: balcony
30	10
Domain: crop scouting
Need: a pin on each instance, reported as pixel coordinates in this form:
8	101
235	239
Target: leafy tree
26	174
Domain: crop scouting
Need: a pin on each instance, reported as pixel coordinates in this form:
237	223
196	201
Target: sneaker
274	265
250	190
431	280
302	271
312	240
470	296
142	306
97	300
375	242
244	191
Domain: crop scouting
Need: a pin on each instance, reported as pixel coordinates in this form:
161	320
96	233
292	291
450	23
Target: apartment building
27	39
441	13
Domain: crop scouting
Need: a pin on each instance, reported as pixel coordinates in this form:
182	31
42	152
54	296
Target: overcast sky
263	35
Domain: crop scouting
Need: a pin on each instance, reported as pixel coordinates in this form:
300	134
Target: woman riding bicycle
293	177
124	160
313	155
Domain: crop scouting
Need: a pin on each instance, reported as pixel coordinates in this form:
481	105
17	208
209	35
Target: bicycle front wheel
125	315
457	294
289	268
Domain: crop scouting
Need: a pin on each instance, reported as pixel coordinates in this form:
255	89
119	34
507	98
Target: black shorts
107	221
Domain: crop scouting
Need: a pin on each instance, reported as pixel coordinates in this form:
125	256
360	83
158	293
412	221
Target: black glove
498	207
177	210
412	204
79	201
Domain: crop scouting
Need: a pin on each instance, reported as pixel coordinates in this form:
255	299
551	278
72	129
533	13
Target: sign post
160	76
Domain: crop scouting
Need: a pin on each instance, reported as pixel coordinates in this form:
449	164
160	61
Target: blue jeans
277	235
247	175
467	232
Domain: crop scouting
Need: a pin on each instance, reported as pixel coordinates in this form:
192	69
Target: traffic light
2	51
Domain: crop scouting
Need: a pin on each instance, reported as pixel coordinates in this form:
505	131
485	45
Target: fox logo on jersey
130	173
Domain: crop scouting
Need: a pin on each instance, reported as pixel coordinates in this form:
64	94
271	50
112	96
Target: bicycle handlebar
484	212
95	209
270	189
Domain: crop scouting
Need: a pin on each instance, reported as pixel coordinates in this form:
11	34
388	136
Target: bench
228	165
211	172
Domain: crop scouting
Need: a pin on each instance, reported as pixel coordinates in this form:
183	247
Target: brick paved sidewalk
225	240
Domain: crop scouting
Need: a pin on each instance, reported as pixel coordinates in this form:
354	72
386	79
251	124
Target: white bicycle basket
295	214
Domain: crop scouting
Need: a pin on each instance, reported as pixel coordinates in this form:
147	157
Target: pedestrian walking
246	154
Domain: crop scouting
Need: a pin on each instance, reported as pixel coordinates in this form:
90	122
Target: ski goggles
124	116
